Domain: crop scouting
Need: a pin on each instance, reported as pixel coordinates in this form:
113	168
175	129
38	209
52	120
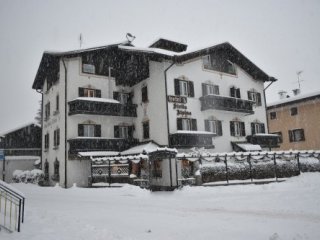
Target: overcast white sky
280	36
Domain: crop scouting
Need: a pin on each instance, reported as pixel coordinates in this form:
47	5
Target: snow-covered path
288	210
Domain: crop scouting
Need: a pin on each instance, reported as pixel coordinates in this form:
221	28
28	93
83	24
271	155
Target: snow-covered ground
287	210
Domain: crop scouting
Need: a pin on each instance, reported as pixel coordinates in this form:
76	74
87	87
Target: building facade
22	150
297	121
118	96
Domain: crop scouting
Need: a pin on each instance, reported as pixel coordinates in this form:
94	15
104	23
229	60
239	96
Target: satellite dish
130	37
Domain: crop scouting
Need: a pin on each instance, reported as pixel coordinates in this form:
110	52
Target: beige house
297	121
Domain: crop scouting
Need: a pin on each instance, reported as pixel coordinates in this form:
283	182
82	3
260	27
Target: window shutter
290	135
249	95
194	124
204	89
216	90
219	128
302	135
48	140
97	130
80	130
81	92
98	93
179	123
238	93
190	89
263	129
258	99
130	131
55	138
144	94
116	95
116	132
232	128
58	137
130	98
253	129
206	125
232	92
176	87
243	129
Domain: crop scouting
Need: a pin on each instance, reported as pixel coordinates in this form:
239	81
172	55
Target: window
56	165
88	68
89	92
123	98
237	129
57	103
145	127
89	130
280	136
56	138
183	88
47	111
219	62
293	111
235	92
257	128
296	135
46	141
187	124
123	131
273	115
144	93
213	126
208	89
46	170
255	97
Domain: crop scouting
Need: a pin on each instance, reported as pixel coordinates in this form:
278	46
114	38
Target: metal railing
11	208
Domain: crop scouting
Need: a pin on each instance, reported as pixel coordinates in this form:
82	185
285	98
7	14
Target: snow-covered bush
33	176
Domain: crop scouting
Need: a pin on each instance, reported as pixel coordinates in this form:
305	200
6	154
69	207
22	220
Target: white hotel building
106	100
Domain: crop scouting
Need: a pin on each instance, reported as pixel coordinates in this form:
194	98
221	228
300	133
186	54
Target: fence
242	166
11	208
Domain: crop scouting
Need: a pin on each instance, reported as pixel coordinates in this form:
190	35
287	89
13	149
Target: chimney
282	94
296	91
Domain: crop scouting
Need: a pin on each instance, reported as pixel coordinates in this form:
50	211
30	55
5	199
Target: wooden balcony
184	139
226	104
264	140
84	106
86	144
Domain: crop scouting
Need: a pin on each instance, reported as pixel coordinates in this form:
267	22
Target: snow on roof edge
294	98
18	128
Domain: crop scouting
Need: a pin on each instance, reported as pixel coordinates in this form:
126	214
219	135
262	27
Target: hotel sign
177	99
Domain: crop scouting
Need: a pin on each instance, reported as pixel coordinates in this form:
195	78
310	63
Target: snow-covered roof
95	99
19	127
249	147
151	50
193	132
33	158
294	99
98	153
148	147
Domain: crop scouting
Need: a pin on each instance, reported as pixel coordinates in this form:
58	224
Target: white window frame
211	89
213	126
186	124
257	128
87	92
183	87
123	98
123	132
88	68
237	129
88	130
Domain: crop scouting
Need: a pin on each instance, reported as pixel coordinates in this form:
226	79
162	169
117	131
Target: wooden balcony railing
187	140
83	144
80	106
226	104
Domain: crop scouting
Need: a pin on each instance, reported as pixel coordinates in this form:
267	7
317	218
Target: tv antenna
299	79
80	40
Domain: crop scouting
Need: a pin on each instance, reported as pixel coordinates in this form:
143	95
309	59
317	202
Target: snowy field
288	210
